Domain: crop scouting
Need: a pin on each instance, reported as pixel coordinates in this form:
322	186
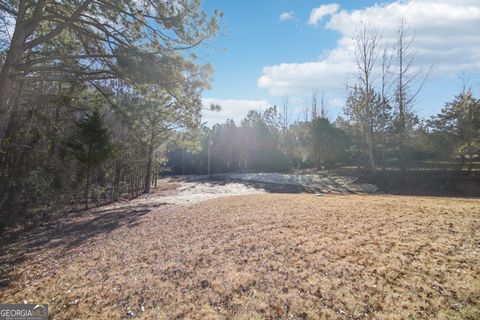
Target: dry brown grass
269	257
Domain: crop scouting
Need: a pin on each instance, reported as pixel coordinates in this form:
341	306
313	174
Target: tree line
378	129
89	92
448	140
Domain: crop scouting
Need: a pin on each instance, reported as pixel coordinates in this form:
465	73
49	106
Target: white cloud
231	109
286	16
446	35
319	13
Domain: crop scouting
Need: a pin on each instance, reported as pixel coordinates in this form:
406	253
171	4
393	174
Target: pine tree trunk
148	176
383	159
371	160
7	73
156	171
470	164
462	162
87	186
116	180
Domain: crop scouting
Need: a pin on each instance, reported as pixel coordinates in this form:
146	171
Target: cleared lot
267	257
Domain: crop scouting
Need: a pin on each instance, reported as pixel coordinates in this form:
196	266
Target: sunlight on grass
273	256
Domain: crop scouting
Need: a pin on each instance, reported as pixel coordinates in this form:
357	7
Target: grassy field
272	256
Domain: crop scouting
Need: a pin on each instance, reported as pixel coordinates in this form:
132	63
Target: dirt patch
271	257
190	192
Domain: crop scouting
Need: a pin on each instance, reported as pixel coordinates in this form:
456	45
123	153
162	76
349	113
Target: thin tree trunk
132	185
87	187
470	162
183	162
462	162
371	160
116	179
383	159
401	101
156	171
148	176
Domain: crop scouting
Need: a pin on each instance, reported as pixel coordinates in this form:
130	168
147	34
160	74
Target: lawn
269	256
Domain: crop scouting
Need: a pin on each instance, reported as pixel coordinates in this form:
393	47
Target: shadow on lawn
410	183
326	184
434	183
65	234
268	187
413	182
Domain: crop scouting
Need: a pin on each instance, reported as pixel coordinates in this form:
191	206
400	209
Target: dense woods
88	92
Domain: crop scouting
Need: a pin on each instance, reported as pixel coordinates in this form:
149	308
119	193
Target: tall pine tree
91	145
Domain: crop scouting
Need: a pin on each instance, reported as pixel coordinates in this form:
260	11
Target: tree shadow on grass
324	185
268	187
63	235
413	182
432	183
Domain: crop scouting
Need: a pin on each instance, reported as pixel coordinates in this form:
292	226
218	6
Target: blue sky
308	50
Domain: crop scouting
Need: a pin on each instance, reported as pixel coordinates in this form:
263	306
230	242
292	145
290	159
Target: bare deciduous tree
409	81
366	54
285	115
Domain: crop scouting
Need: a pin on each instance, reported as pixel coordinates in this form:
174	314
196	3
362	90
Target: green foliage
133	60
91	145
328	144
91	142
459	124
296	145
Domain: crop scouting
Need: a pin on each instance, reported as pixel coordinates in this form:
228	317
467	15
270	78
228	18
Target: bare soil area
260	256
